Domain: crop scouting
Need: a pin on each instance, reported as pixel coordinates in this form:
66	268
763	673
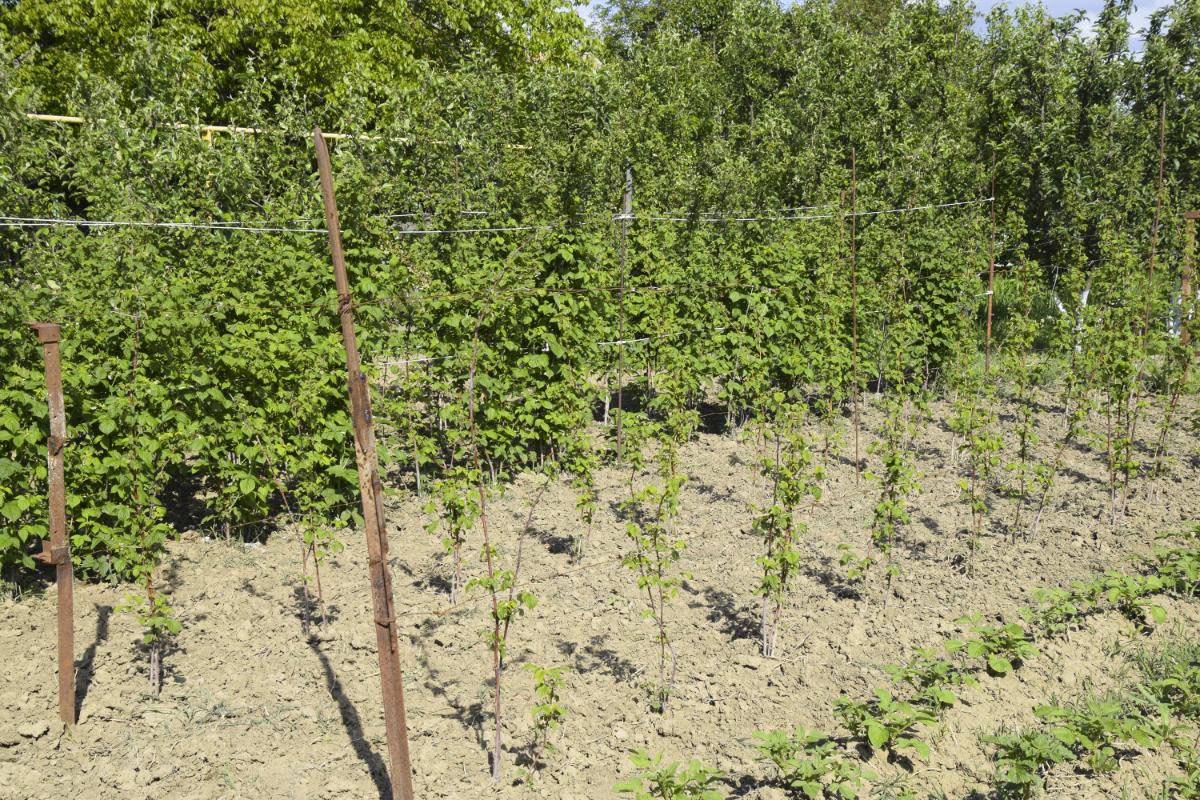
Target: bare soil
251	708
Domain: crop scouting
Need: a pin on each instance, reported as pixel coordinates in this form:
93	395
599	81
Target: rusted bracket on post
52	555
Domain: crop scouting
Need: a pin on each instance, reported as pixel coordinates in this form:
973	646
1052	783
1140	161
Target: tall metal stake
991	290
371	490
57	551
854	303
626	215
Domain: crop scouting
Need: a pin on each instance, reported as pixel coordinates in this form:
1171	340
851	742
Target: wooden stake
57	551
371	489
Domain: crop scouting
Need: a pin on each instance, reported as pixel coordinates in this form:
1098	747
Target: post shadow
353	727
84	670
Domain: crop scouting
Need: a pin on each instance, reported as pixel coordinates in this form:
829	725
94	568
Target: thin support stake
626	215
854	304
371	489
58	550
991	292
1186	298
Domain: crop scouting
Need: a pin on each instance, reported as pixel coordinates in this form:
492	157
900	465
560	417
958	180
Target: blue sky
1141	15
1138	20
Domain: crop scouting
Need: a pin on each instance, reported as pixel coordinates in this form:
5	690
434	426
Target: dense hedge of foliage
203	368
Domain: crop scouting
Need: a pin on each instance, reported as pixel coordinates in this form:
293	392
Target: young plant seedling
1056	612
460	510
1023	759
548	711
650	513
1094	729
897	481
794	478
1003	647
811	765
885	722
160	626
932	677
581	464
670	781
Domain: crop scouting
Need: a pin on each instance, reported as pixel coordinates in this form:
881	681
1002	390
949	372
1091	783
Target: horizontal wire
621	342
420	231
906	209
44	222
699	217
546	348
37	222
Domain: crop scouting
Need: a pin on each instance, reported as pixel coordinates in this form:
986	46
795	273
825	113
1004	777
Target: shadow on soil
85	669
353	727
595	656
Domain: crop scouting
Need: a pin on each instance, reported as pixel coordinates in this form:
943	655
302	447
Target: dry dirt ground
250	708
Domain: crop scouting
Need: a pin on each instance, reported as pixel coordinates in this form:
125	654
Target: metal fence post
57	550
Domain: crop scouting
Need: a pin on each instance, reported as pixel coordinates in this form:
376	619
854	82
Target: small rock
34	730
619	734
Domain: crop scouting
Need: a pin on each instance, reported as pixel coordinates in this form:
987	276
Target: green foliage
1022	760
155	615
1171	676
1056	611
811	765
650	513
897	480
1178	567
794	478
242	378
669	781
1094	728
581	464
932	677
884	722
974	421
458	514
1131	594
1002	647
548	711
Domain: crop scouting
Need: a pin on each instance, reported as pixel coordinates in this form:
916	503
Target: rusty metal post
57	550
371	489
991	290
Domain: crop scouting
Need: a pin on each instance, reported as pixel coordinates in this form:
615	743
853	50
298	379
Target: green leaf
877	734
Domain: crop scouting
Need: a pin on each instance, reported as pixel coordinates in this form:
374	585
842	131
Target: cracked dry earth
251	708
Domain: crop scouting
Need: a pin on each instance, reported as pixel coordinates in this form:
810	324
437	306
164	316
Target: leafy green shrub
1095	727
931	676
811	765
1131	595
1055	612
548	711
671	780
1023	759
1171	676
884	722
1003	647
